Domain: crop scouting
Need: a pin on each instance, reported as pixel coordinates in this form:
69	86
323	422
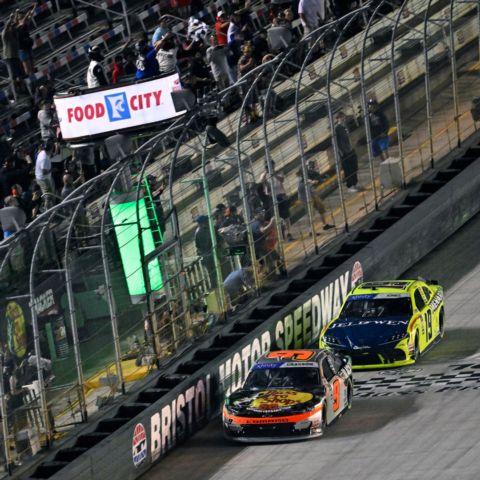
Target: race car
387	323
289	395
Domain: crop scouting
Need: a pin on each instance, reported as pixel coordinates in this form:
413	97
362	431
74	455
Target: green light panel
128	242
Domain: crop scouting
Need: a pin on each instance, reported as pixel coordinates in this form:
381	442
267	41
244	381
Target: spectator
235	38
221	28
203	81
11	173
129	65
277	180
167	53
146	63
266	240
312	14
315	197
48	122
246	63
24	199
25	42
44	92
218	61
348	155
68	187
95	74
219	215
231	217
183	7
117	71
379	128
237	282
203	244
12	217
43	173
160	31
86	157
11	55
260	46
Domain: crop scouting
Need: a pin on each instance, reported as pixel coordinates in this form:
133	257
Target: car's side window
427	293
419	301
327	370
337	363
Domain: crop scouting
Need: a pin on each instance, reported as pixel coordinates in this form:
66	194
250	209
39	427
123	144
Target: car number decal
291	354
336	394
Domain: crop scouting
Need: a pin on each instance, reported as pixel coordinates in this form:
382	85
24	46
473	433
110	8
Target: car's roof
297	357
385	286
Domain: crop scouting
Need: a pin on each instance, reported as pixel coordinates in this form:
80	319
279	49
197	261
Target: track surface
421	422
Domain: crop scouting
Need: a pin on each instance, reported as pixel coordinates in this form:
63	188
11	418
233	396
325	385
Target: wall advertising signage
201	399
116	109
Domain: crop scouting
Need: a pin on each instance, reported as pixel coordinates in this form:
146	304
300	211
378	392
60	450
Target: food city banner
115	109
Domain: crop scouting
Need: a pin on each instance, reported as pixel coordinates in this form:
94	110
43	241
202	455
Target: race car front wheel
416	349
441	324
323	425
349	395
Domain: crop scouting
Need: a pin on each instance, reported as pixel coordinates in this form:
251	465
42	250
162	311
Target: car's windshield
373	306
295	377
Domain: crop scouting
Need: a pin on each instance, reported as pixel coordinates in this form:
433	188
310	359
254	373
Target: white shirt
42	163
92	80
312	9
167	59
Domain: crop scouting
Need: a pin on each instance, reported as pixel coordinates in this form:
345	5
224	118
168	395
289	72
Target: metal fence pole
331	120
453	63
428	91
301	146
108	283
364	94
36	331
211	227
145	272
70	295
258	74
269	164
396	93
4	414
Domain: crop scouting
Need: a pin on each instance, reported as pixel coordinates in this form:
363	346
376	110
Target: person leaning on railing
12	217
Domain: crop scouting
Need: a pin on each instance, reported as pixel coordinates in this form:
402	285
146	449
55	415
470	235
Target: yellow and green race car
387	323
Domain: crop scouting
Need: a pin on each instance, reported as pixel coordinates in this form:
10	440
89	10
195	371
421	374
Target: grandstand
75	264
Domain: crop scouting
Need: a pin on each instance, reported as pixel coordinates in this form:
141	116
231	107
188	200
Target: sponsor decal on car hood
366	332
273	400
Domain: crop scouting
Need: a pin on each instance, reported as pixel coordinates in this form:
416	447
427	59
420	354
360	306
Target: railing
67	290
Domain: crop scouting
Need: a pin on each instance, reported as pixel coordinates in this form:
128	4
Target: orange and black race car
289	395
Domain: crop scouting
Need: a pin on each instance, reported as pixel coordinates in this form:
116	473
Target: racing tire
416	349
323	425
441	324
349	395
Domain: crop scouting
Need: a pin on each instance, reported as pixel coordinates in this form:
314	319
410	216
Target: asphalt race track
421	422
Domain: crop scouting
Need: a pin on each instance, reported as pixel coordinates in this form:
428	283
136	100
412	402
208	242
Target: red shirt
221	32
117	72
